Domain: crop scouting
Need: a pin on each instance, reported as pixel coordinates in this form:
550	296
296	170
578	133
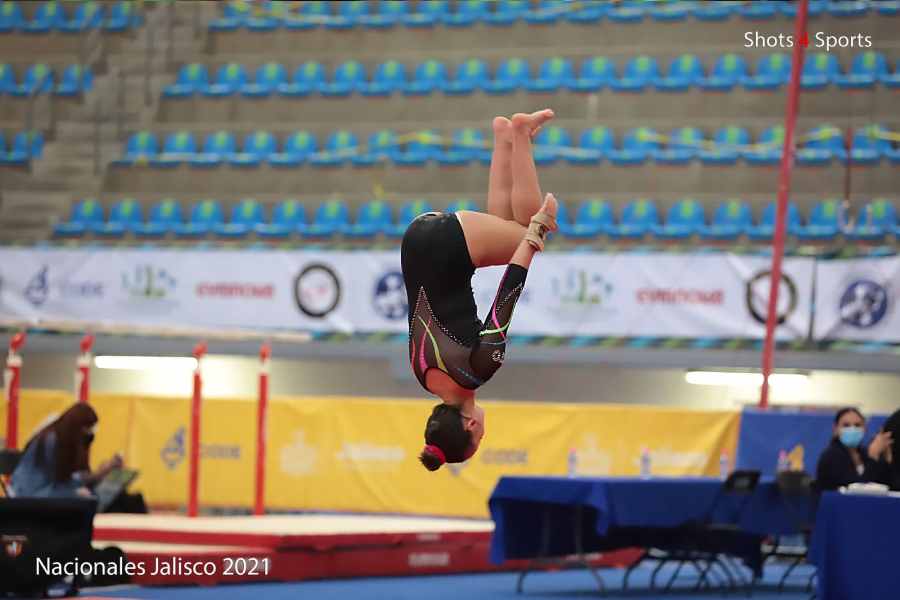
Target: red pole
83	369
261	430
784	185
11	381
194	458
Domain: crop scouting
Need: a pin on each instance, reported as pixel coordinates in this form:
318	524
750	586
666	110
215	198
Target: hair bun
437	452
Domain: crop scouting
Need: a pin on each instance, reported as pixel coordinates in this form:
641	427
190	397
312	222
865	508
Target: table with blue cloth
854	547
537	517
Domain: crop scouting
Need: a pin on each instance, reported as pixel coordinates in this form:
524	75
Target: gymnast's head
452	434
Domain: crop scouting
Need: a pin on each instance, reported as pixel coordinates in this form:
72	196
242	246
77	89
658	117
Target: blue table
854	547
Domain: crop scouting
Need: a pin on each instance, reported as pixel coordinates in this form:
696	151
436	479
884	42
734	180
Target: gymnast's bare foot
532	122
502	130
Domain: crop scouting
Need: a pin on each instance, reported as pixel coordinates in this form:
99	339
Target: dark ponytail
446	438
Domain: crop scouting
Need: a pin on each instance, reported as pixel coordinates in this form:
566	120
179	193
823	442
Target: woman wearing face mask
55	462
846	460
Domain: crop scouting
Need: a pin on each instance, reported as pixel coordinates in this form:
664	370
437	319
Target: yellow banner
360	454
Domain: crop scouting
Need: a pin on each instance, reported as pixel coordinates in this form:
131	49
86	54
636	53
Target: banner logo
38	287
863	304
150	286
173	452
582	293
757	296
389	298
317	290
298	458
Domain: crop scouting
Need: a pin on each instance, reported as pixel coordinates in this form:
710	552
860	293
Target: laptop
112	485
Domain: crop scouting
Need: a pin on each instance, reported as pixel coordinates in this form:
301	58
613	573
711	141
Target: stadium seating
638	219
875	222
163	217
205	216
684	72
684	219
405	216
592	218
124	216
866	69
765	229
85	215
824	223
287	218
330	218
372	219
730	220
245	216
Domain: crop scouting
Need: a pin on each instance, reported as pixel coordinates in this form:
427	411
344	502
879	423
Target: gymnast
451	353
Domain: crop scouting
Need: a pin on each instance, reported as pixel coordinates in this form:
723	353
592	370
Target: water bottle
573	462
645	463
784	463
723	466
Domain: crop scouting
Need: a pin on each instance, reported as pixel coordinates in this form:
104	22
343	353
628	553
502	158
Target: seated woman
55	462
845	460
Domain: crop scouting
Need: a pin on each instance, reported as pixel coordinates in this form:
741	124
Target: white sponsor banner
857	299
566	294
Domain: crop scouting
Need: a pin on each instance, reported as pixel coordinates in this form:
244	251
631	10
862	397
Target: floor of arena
547	585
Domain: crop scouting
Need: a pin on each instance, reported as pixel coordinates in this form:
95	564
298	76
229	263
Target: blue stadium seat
507	12
349	15
38	79
7	79
551	144
470	76
772	71
218	147
728	143
288	217
684	219
824	143
729	221
888	7
588	13
245	216
824	222
511	75
192	79
867	146
124	216
234	15
875	221
179	147
382	146
373	218
85	214
682	147
88	15
627	11
728	70
467	13
298	147
205	215
75	81
461	204
594	73
428	13
258	147
638	218
389	77
715	10
163	217
864	71
594	144
889	79
684	72
230	78
141	147
467	145
637	146
819	70
50	16
554	74
814	8
339	148
638	73
758	11
269	17
768	148
390	13
330	218
266	82
407	213
25	147
10	17
430	76
308	78
311	15
349	77
418	151
855	8
547	12
671	11
122	16
592	218
764	231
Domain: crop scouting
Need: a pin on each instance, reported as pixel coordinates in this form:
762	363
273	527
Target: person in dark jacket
891	457
846	460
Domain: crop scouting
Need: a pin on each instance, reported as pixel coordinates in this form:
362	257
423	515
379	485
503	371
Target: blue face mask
851	437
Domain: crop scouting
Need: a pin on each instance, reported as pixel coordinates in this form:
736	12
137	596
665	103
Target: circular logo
390	296
863	304
317	290
758	297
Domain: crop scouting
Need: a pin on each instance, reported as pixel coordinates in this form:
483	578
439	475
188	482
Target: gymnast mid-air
451	352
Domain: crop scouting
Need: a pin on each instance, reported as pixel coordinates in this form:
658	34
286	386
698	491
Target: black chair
796	490
8	461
